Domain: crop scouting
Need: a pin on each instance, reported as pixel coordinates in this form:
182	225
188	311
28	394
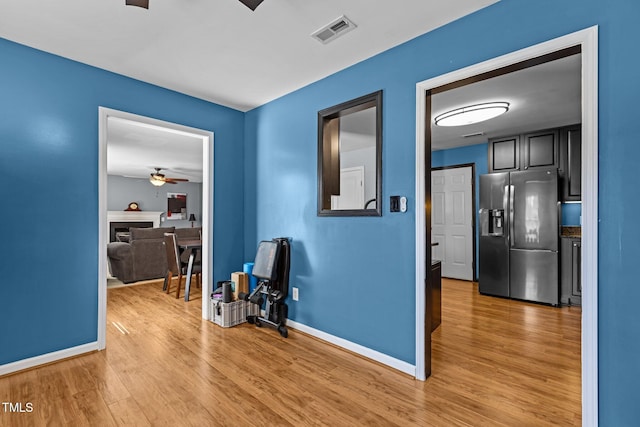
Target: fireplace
121	221
123	227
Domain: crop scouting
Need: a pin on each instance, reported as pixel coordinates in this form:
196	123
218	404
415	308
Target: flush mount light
472	114
158	182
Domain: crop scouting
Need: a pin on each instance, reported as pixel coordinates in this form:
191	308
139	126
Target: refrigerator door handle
512	191
505	209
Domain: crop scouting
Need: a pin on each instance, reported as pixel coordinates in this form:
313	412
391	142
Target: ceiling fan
251	4
139	3
159	179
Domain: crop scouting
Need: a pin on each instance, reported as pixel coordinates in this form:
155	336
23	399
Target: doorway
587	41
206	138
452	225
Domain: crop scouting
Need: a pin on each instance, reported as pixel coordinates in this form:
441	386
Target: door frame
587	39
474	275
103	228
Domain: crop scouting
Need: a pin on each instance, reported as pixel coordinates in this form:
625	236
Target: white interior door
452	221
351	189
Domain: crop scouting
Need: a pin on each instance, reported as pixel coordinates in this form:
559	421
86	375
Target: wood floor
495	362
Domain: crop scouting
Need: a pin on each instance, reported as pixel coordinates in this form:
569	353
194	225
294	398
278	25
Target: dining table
194	245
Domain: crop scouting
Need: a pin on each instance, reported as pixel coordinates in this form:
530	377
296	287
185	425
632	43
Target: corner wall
49	174
356	275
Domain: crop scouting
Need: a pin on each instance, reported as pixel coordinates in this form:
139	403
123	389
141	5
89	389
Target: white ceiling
540	97
219	50
223	52
135	149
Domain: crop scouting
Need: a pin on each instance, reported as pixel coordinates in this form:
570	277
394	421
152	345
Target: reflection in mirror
349	158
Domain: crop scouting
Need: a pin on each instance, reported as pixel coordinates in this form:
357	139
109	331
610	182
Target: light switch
398	204
394	204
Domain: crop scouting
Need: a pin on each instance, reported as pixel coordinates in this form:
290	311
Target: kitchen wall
571	214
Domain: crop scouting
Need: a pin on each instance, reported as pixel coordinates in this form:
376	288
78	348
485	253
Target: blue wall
572	214
49	191
356	275
478	155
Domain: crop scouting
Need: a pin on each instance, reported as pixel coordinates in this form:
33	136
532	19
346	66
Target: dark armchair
143	258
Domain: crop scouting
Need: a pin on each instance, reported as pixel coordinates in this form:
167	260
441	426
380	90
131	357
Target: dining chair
175	265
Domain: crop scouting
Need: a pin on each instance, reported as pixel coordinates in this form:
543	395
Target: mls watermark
17	407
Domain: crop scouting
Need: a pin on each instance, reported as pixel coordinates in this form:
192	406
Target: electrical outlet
295	294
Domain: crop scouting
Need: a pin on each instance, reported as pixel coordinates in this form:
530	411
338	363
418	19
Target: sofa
144	256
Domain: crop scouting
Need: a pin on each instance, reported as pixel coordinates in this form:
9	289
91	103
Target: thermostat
403	204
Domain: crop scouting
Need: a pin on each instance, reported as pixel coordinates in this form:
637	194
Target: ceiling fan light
155	181
472	114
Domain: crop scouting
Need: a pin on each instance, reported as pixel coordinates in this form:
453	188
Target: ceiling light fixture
157	180
472	114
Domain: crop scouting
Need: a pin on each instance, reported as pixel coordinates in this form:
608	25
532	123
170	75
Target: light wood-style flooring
496	362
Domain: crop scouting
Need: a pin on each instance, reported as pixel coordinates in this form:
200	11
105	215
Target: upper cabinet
524	152
504	154
560	148
539	150
570	167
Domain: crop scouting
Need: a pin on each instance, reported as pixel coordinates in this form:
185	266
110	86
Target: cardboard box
240	283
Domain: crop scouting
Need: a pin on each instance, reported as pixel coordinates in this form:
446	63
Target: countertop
571	231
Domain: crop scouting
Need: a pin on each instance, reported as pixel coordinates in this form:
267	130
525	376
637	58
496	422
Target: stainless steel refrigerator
519	235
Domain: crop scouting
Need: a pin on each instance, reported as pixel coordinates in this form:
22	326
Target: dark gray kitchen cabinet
539	150
570	165
504	154
570	280
524	152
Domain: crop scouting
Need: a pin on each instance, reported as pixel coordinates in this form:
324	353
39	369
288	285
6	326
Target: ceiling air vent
334	30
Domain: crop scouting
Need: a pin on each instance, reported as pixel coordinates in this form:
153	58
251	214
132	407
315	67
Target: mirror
350	158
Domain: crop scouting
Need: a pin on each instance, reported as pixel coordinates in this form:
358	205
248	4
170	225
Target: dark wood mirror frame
329	154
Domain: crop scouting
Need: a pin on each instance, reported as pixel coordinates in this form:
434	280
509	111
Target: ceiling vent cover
334	29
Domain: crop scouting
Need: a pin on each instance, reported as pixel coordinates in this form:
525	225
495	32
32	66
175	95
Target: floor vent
334	30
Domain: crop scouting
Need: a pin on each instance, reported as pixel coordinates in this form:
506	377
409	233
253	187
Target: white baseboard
31	362
392	362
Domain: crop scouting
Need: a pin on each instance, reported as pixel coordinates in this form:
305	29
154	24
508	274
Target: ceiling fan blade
139	3
251	4
176	179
